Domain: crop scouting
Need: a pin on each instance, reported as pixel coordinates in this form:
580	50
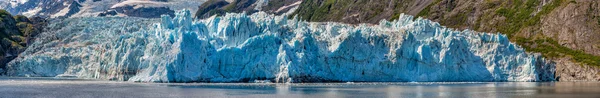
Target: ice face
243	48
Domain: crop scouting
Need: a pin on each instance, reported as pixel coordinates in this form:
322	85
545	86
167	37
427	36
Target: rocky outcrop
358	11
567	70
74	7
9	42
211	7
15	34
146	12
575	25
220	7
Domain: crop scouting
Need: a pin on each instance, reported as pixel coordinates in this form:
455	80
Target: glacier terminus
246	48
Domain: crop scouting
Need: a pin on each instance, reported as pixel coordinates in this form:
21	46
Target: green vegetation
522	14
329	9
25	28
323	10
220	7
361	11
14	31
230	6
551	49
21	18
5	24
10	35
4	13
518	14
458	20
427	9
274	4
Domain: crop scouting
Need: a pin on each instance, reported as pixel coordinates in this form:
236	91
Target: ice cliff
244	48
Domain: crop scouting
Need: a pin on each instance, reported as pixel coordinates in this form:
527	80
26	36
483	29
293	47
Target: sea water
79	88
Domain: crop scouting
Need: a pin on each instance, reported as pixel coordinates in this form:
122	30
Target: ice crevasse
245	48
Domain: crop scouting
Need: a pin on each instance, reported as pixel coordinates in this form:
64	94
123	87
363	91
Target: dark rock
74	7
146	12
15	33
212	7
108	13
358	11
220	7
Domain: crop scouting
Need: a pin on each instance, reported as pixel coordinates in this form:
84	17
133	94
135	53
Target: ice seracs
257	47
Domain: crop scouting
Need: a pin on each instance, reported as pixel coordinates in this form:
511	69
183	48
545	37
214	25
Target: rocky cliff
15	34
220	7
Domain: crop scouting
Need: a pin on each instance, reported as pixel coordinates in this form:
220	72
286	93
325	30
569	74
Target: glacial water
61	88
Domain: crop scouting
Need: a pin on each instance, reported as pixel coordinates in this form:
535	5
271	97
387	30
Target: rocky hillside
220	7
565	31
358	11
15	33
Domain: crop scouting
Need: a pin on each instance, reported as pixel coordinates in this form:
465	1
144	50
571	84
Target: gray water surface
66	88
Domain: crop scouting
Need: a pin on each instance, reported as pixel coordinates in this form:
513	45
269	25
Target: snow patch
62	12
53	8
139	3
32	12
288	6
260	3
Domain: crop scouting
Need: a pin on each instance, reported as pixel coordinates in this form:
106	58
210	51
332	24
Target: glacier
246	48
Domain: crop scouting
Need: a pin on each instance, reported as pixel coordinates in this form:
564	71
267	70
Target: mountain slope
86	8
15	34
220	7
358	11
